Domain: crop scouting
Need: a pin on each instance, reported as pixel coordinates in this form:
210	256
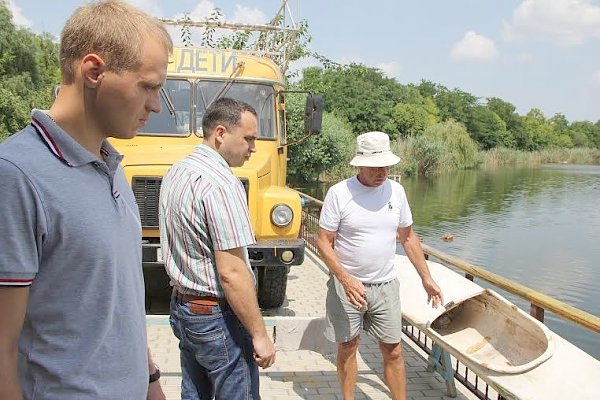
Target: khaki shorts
382	317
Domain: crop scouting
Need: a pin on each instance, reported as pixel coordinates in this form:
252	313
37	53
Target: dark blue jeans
216	354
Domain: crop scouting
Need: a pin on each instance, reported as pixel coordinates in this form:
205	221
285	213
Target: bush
329	150
461	148
443	147
420	155
14	113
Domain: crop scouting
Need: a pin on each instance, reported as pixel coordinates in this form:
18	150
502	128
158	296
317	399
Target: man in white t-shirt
364	216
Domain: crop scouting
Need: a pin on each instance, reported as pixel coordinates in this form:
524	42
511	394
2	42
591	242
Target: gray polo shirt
71	230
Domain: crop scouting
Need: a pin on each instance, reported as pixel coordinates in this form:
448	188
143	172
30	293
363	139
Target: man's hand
155	391
355	291
264	351
412	246
238	285
434	293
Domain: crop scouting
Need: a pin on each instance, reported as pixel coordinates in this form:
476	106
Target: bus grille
147	191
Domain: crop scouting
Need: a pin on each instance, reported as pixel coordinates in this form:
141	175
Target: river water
539	226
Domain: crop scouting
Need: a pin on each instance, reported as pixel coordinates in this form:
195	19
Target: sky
531	53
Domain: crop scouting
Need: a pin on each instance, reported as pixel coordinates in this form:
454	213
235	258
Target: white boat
492	333
516	354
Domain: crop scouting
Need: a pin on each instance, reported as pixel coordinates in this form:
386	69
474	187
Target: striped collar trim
15	282
48	140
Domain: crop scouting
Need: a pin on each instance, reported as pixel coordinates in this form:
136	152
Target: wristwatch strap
155	376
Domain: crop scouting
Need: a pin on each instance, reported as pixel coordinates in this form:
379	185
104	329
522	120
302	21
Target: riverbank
435	159
500	157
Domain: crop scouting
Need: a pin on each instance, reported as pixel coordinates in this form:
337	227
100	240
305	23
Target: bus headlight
281	215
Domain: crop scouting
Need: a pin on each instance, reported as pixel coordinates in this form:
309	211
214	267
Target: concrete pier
306	374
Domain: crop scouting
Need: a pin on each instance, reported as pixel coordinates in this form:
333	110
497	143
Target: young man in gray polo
364	216
72	317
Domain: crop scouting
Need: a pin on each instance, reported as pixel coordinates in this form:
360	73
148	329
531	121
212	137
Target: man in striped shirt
205	228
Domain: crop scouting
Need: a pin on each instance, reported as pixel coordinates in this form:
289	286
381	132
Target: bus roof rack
274	40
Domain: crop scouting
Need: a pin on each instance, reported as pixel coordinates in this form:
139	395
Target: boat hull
561	371
493	333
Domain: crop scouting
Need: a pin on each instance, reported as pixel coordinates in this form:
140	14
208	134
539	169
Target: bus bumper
276	252
273	252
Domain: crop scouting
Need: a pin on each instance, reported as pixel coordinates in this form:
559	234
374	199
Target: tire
272	282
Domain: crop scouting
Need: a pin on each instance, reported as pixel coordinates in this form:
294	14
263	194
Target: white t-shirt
365	220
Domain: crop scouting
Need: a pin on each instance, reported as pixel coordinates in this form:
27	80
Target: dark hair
224	111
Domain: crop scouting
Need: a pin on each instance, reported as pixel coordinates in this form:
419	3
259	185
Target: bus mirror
313	114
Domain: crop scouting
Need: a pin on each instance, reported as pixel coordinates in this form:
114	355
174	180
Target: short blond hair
114	31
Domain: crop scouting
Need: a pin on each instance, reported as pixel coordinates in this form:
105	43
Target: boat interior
493	333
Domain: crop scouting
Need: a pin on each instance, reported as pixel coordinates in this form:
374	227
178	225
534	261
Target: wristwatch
155	376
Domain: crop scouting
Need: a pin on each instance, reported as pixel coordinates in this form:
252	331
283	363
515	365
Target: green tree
560	132
14	113
594	134
415	112
362	95
429	89
28	71
513	121
487	128
409	120
537	130
15	56
313	81
455	104
581	133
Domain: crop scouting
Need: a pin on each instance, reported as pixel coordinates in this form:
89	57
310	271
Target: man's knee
347	349
391	351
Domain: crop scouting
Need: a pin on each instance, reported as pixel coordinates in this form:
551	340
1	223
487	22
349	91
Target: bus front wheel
272	283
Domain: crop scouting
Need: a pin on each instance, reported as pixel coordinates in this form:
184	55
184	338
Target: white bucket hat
373	150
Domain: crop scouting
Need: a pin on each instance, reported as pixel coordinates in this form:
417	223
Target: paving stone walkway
304	374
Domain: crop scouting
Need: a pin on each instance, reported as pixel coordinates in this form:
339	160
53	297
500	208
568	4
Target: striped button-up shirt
203	208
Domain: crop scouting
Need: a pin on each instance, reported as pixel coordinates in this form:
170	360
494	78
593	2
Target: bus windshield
180	97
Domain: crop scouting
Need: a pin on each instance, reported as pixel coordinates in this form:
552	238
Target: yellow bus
196	77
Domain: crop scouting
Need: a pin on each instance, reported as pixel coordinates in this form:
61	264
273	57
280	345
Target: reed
500	156
434	155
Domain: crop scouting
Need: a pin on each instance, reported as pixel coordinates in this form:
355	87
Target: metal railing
539	302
